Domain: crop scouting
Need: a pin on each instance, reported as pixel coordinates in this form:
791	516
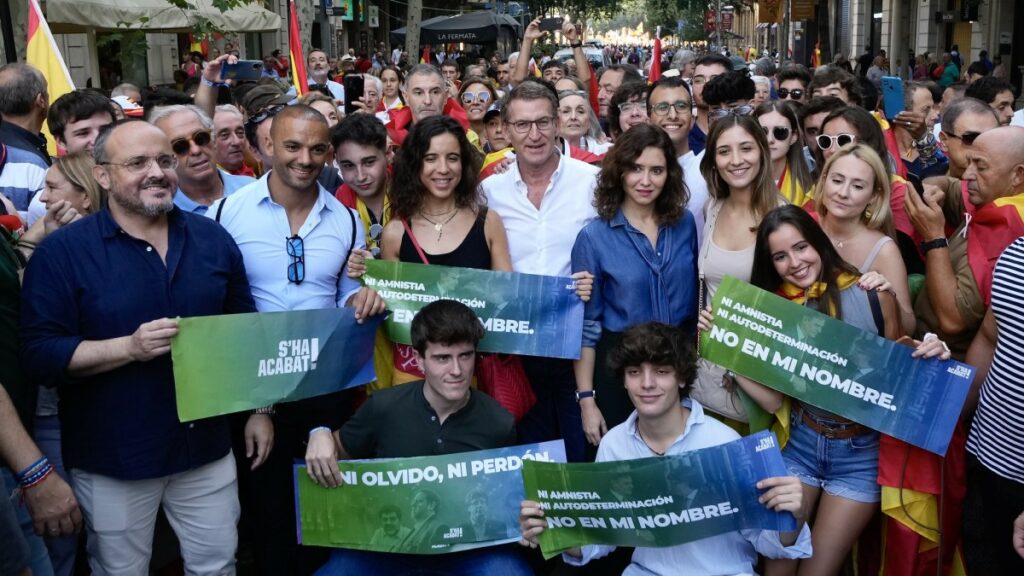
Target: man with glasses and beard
296	239
99	308
200	181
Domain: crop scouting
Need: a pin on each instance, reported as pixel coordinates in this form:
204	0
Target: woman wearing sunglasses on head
852	203
737	168
836	459
781	126
476	96
642	251
856	125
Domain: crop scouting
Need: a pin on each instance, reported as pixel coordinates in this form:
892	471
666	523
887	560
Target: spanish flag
816	61
425	57
656	58
298	61
42	53
992	228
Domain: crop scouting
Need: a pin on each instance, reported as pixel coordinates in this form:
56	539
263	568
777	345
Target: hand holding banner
657	502
835	366
522	313
236	362
427	505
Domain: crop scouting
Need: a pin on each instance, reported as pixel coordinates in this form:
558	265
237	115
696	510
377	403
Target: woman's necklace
439	226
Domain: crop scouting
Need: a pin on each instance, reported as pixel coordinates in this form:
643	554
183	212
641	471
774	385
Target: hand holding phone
242	70
892	96
551	24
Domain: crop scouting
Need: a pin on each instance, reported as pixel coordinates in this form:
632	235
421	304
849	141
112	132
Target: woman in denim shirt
642	252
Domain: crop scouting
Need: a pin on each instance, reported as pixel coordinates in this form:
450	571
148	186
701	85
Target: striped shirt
997	434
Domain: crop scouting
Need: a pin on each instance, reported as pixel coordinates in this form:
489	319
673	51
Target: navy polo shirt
92	281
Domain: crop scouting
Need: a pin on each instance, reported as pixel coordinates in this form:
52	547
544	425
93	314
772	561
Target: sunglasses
482	96
256	119
786	93
967	138
375	232
744	110
297	268
780	133
825	141
200	138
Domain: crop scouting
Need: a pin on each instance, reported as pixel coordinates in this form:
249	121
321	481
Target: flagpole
784	49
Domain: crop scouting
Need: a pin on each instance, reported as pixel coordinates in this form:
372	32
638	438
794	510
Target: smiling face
442	166
848	188
678	119
653	389
300	147
737	157
795	260
632	112
535	146
475	99
774	126
81	134
645	181
363	168
149	192
57	187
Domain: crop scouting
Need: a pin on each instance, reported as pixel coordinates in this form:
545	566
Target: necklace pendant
438	227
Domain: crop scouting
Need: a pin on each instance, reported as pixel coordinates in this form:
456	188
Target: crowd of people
648	192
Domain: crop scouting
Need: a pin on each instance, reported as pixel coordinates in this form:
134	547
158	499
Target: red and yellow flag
816	61
992	228
42	53
298	61
656	58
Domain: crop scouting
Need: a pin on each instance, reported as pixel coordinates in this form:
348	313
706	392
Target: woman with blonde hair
852	202
70	179
324	105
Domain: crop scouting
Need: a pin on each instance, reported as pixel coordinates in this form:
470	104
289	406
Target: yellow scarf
800	295
791	189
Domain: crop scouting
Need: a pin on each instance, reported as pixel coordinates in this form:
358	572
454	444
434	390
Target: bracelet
34	473
38	478
577	45
320	428
212	84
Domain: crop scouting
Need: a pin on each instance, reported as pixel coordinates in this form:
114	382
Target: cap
493	110
264	95
348	58
738	64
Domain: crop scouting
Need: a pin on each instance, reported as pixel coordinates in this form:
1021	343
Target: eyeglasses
181	146
967	138
297	269
785	93
375	232
744	110
482	96
632	107
680	106
524	126
256	119
140	164
825	141
780	133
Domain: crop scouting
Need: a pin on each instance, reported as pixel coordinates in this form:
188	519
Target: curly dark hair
658	344
765	276
629	91
610	193
407	190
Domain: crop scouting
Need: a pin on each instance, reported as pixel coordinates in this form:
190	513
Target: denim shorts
847	468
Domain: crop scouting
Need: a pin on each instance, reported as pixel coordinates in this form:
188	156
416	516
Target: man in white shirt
544	199
670	106
295	239
319	69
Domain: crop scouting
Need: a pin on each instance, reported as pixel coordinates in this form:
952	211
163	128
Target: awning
70	15
471	28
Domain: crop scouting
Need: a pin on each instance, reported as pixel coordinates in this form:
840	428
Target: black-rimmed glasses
139	164
297	268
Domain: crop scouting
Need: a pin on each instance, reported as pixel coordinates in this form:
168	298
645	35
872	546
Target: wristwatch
585	394
933	244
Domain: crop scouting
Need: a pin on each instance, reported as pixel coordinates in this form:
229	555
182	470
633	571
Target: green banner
830	364
426	505
236	362
521	313
657	502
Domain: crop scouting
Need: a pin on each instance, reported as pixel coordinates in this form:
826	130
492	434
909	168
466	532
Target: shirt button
149	248
191	425
433	418
439	441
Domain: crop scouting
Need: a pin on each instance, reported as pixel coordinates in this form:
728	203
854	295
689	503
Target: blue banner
521	313
426	505
836	366
658	502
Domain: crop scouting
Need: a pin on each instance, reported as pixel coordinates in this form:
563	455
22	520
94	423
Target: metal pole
784	33
718	24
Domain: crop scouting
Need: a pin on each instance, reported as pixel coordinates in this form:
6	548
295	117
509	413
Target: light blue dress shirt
260	228
732	553
231	182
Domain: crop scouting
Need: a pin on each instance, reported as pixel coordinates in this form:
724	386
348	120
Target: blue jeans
38	558
847	467
499	561
62	548
556	413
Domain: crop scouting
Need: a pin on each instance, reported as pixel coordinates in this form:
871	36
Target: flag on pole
42	53
298	61
656	57
425	58
816	61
